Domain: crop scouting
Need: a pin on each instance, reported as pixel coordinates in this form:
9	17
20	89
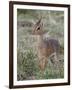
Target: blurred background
27	60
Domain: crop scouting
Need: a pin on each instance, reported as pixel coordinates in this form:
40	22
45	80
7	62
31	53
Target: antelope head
38	27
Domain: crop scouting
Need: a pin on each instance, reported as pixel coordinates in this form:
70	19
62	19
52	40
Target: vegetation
27	60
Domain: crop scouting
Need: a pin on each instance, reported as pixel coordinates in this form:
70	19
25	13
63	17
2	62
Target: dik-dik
45	47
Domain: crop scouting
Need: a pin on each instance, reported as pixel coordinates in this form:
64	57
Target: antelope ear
42	24
40	19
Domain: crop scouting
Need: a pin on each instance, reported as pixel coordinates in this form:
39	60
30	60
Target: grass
28	68
27	60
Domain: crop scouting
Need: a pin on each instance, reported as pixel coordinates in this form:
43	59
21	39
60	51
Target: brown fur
44	48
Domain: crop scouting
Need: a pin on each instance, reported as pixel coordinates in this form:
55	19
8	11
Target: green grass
28	67
27	60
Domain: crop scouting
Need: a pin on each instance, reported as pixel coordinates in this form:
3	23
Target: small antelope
45	47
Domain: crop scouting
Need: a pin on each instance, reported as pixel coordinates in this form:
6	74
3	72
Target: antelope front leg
42	63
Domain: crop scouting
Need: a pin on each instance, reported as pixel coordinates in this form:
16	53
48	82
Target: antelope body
45	47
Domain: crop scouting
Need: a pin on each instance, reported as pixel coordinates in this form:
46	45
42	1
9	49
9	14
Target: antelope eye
38	28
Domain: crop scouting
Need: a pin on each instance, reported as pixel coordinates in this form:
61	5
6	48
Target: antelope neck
40	39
